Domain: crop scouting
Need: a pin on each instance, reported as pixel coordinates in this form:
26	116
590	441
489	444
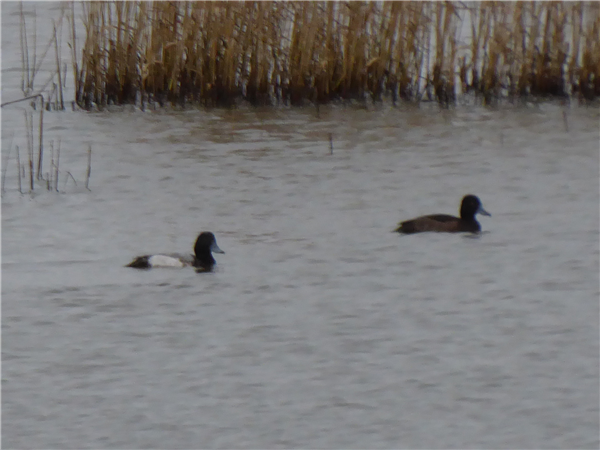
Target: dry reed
19	168
89	169
5	163
56	167
218	53
52	177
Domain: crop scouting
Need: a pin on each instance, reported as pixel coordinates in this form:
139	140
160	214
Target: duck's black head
205	244
470	206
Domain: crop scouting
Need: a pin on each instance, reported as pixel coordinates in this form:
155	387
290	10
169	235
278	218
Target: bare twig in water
51	172
33	72
5	164
29	131
24	54
74	52
69	174
30	161
21	100
331	143
57	164
89	168
566	121
60	88
41	149
19	169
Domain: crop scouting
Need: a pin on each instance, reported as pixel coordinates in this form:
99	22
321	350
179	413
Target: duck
202	259
469	207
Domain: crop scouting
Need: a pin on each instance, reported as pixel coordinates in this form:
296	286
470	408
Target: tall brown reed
218	53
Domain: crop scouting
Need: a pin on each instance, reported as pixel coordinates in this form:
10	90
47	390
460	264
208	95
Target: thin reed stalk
19	168
58	72
25	80
5	163
41	140
50	174
57	166
89	169
29	134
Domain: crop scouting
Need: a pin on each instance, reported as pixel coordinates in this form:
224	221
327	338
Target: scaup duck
470	206
202	260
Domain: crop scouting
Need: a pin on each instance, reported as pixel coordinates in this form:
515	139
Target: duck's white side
168	261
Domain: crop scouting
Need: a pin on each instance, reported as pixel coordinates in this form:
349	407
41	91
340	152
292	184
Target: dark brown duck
469	207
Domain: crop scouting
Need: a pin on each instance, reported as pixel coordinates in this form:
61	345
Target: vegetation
41	170
217	53
27	170
221	53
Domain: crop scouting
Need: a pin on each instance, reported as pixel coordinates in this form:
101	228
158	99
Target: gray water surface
321	327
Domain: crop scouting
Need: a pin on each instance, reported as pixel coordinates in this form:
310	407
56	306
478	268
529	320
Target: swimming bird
202	259
469	206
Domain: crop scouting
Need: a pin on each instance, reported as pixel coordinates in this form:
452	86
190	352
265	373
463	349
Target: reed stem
19	168
41	140
5	164
57	166
89	169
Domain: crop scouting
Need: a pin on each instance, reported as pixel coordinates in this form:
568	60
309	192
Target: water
321	327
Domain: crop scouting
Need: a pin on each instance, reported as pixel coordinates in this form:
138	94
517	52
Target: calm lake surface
321	327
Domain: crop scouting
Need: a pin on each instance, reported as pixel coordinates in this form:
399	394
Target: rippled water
321	327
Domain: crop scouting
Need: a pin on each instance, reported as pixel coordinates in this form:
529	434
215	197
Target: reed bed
220	53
